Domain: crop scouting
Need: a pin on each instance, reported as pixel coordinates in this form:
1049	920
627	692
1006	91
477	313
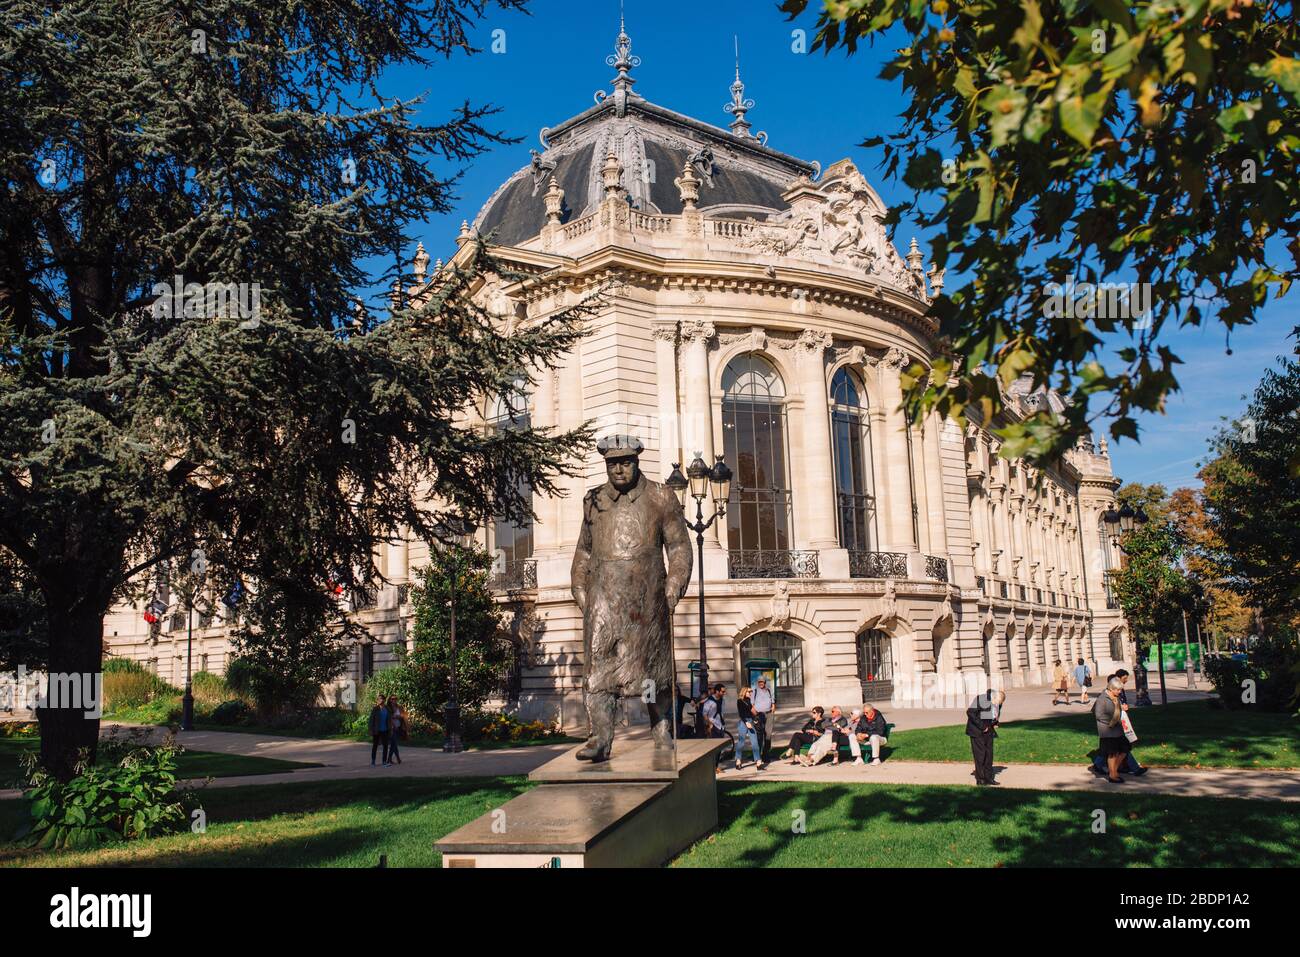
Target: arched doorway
1010	647
780	653
987	648
876	665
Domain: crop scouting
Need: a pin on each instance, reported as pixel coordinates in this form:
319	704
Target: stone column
934	487
697	430
896	503
817	489
569	387
670	449
546	527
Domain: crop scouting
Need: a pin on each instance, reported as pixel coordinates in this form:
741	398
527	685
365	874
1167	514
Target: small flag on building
155	610
235	594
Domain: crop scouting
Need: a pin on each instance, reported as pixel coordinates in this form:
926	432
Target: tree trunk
69	717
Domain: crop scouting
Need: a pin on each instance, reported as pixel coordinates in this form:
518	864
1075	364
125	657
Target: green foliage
498	726
24	638
1151	586
209	690
1252	495
292	639
128	685
303	431
19	729
128	794
239	677
1273	664
484	652
234	711
1151	141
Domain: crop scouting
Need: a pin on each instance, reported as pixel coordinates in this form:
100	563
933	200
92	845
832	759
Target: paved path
1184	782
350	760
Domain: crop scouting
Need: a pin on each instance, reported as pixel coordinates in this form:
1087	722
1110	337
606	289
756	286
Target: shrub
239	677
20	729
128	685
234	711
128	794
210	690
498	726
1273	664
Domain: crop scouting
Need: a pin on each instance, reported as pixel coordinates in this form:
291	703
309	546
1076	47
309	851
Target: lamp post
1121	523
701	481
451	738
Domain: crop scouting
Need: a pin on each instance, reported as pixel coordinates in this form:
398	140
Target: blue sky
814	106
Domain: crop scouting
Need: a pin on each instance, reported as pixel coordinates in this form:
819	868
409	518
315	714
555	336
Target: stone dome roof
741	177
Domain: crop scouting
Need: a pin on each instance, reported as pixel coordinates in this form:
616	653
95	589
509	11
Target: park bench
846	751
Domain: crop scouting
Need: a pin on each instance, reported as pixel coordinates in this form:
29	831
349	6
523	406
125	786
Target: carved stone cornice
665	332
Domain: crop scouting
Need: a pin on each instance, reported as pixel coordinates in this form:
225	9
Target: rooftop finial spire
623	60
739	106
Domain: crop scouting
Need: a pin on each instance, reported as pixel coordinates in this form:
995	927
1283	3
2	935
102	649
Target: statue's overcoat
620	582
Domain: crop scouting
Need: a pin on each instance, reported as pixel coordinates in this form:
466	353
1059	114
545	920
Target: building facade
750	305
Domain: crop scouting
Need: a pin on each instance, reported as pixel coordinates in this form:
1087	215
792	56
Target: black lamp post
1121	523
451	737
701	481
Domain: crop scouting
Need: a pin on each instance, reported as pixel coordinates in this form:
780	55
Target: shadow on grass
1013	828
350	823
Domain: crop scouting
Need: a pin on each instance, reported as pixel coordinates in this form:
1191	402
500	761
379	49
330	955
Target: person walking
764	708
379	730
1082	677
981	728
1110	733
1130	765
714	724
747	730
1060	684
396	729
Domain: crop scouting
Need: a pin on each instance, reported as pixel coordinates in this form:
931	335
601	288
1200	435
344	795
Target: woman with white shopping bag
1114	729
819	749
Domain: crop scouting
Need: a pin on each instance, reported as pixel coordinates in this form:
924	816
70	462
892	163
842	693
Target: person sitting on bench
838	725
871	728
812	730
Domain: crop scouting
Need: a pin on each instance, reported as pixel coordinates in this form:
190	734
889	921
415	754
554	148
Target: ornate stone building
752	306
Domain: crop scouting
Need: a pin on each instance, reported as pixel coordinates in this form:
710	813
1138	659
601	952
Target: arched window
875	665
510	542
851	445
753	442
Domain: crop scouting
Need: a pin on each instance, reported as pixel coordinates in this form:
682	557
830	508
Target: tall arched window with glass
753	441
851	451
510	543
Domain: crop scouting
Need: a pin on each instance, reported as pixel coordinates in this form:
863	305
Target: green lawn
322	824
1187	734
190	764
849	825
350	823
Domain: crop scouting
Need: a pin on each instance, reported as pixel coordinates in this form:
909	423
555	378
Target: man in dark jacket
873	729
981	727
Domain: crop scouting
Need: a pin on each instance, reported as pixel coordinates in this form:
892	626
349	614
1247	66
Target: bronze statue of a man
626	595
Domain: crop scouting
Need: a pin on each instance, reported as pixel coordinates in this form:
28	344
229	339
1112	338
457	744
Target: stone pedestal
639	809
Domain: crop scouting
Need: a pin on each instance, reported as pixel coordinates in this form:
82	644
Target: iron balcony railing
863	564
772	563
515	576
936	568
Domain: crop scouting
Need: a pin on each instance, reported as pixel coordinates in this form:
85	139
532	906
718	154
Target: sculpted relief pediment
840	219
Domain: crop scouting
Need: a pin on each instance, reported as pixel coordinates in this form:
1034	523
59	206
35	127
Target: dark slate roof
517	215
517	212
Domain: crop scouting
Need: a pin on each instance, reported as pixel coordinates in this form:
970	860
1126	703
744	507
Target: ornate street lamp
701	481
1121	523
